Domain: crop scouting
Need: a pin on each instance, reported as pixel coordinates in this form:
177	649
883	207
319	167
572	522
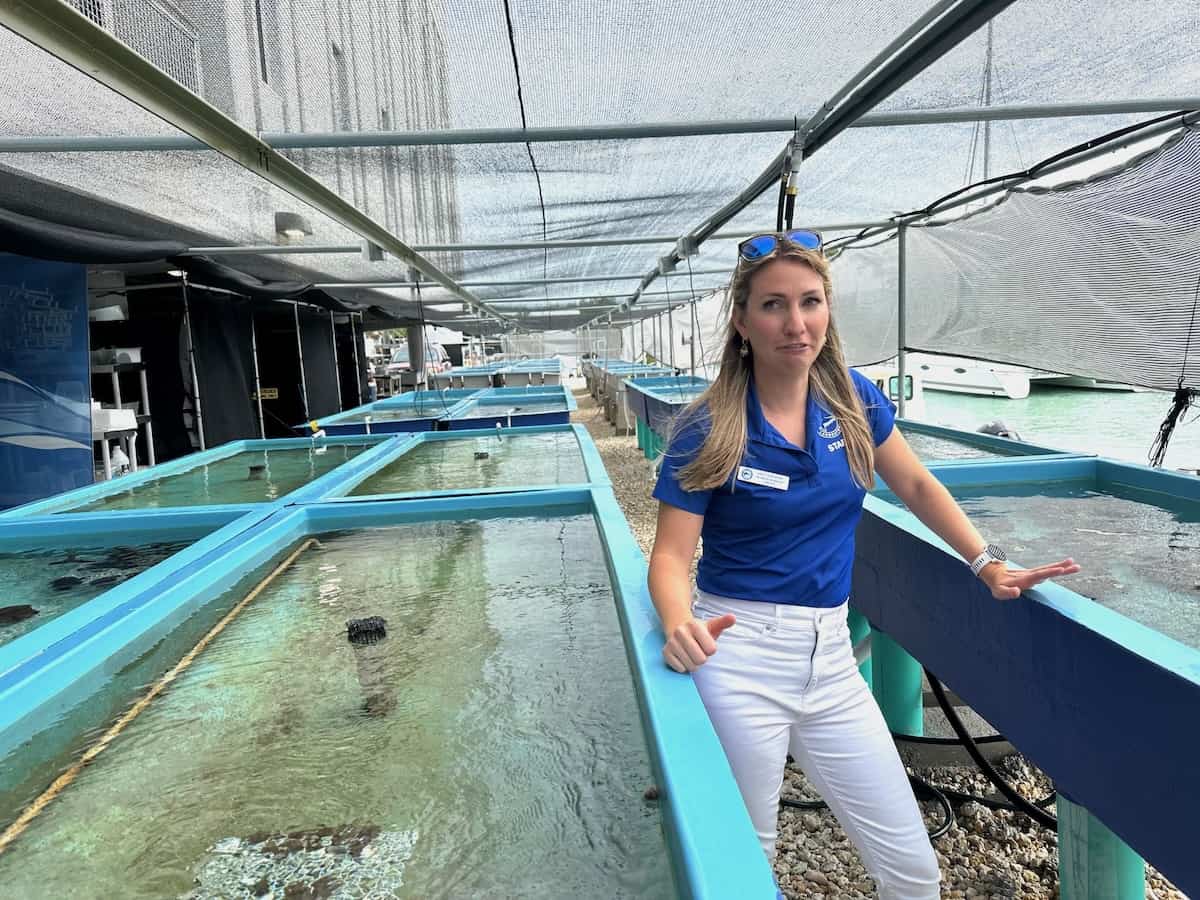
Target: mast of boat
987	99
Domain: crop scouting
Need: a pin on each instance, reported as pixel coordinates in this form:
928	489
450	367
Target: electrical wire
1022	175
692	288
512	46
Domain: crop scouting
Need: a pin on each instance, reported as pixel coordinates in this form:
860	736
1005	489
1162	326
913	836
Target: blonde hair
723	406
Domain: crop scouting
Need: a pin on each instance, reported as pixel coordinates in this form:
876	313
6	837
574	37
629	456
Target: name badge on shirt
760	476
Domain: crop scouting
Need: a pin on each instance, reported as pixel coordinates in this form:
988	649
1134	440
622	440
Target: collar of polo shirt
760	430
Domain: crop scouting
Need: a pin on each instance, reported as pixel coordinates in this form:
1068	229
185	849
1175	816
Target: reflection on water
930	448
489	745
518	407
482	462
252	476
396	414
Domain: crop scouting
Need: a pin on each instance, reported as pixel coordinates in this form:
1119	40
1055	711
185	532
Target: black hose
947	742
920	787
944	795
1034	812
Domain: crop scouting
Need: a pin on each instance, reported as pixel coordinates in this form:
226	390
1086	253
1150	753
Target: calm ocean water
1118	425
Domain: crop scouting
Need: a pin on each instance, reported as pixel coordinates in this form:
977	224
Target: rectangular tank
1092	677
941	445
234	474
1134	531
475	462
545	407
50	568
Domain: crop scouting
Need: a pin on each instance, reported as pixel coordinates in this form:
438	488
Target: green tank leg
896	683
1093	863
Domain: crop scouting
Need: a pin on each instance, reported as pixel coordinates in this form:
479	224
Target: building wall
302	66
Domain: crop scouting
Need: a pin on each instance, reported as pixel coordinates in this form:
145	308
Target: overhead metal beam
930	37
472	136
533	281
627	240
579	299
961	19
60	29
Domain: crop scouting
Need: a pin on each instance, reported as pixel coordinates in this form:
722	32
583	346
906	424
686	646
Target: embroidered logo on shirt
829	428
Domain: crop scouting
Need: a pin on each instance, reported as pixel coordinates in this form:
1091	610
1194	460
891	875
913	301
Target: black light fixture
291	225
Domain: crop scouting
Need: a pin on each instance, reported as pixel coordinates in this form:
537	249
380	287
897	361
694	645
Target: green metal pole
860	630
896	683
640	437
1093	863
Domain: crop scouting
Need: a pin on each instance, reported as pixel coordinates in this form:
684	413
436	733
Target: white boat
886	379
958	375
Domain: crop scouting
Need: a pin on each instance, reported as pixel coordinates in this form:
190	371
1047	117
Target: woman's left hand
1007	584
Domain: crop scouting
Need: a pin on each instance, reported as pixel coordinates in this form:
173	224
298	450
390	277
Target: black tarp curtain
221	341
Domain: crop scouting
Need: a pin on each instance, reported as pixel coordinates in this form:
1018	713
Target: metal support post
1093	863
695	330
337	372
146	412
901	312
671	334
300	350
896	683
357	370
191	349
262	424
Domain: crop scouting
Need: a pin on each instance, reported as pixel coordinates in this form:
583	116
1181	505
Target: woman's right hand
691	643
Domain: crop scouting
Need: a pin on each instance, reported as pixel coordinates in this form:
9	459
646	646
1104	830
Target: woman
770	466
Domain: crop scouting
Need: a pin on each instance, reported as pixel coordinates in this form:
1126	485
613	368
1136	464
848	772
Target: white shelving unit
114	371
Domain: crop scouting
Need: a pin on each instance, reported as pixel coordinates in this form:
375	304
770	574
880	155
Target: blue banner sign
45	392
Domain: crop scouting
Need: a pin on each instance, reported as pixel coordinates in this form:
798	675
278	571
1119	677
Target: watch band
991	553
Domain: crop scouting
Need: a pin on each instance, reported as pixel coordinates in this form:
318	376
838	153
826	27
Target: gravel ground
986	854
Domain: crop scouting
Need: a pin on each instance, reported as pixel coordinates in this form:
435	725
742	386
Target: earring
745	349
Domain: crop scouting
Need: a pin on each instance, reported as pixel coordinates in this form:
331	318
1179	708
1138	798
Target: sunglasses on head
762	245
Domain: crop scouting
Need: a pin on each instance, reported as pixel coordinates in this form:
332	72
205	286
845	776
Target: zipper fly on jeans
812	656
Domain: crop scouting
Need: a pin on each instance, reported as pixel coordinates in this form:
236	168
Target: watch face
996	552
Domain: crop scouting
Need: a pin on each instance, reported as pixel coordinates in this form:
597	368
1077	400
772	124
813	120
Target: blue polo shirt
763	540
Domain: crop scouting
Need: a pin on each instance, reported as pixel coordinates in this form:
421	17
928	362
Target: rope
64	780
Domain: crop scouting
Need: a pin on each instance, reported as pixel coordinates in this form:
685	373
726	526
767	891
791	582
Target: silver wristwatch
991	553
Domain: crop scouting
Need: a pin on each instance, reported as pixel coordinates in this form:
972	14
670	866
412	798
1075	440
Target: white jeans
784	679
